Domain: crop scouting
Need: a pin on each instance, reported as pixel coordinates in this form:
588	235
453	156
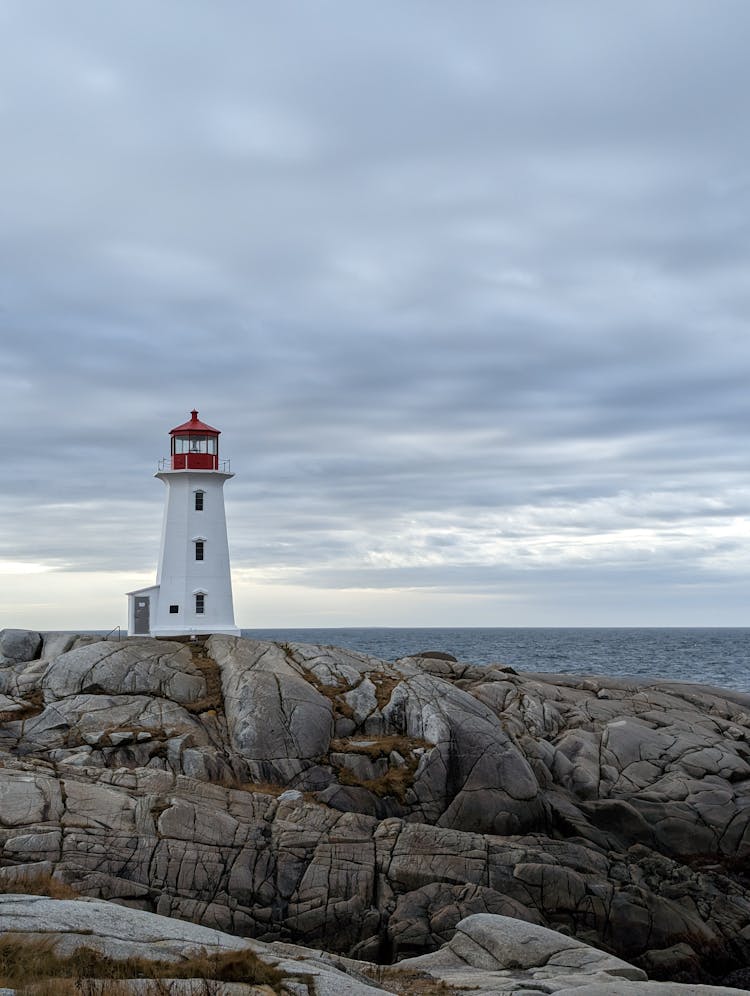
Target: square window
174	609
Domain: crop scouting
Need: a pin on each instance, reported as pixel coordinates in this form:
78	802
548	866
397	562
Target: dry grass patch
262	788
33	706
397	779
395	782
234	783
375	747
26	962
214	697
403	982
87	987
38	884
384	685
334	694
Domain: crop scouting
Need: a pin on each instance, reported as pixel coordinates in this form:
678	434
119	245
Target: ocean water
708	656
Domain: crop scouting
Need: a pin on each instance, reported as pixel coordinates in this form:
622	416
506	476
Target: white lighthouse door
141	616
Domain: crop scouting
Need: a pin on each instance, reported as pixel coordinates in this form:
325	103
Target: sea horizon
713	655
710	655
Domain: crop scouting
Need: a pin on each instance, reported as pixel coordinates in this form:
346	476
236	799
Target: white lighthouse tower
193	590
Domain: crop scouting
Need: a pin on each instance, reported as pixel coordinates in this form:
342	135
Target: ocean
718	656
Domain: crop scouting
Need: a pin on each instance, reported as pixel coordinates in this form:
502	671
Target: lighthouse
193	590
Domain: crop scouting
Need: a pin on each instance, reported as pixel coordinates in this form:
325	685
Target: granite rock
312	795
487	954
19	644
140	667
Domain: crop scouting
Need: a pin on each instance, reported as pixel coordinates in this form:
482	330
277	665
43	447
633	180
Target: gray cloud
438	277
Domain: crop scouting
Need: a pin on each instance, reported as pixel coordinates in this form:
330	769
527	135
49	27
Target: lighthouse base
146	618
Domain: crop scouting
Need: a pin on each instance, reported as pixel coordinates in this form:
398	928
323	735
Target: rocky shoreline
316	797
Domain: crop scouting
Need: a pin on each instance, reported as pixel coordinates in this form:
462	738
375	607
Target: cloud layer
467	295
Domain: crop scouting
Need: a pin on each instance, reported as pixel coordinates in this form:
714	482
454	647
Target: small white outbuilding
193	590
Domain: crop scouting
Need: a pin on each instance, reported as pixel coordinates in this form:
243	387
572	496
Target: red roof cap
195	425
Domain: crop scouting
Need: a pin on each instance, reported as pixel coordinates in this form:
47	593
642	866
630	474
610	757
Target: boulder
97	719
20	644
137	667
497	954
56	643
272	710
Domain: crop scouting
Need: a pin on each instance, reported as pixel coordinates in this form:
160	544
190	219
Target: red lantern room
195	445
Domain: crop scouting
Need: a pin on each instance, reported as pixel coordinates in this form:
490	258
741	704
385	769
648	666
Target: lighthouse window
198	501
174	609
194	444
199	549
200	602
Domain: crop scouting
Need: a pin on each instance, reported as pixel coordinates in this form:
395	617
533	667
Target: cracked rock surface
488	954
415	794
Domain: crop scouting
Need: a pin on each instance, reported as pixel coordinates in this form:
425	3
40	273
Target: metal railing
165	463
117	630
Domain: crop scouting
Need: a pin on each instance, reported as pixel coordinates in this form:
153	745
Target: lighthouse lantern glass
195	444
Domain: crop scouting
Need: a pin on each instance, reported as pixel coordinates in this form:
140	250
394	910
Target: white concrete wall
179	575
152	594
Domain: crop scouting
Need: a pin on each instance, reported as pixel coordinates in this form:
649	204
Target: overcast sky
465	285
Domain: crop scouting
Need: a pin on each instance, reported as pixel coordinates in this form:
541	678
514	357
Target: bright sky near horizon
465	287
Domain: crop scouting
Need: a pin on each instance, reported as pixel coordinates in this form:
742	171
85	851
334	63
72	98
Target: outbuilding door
141	615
